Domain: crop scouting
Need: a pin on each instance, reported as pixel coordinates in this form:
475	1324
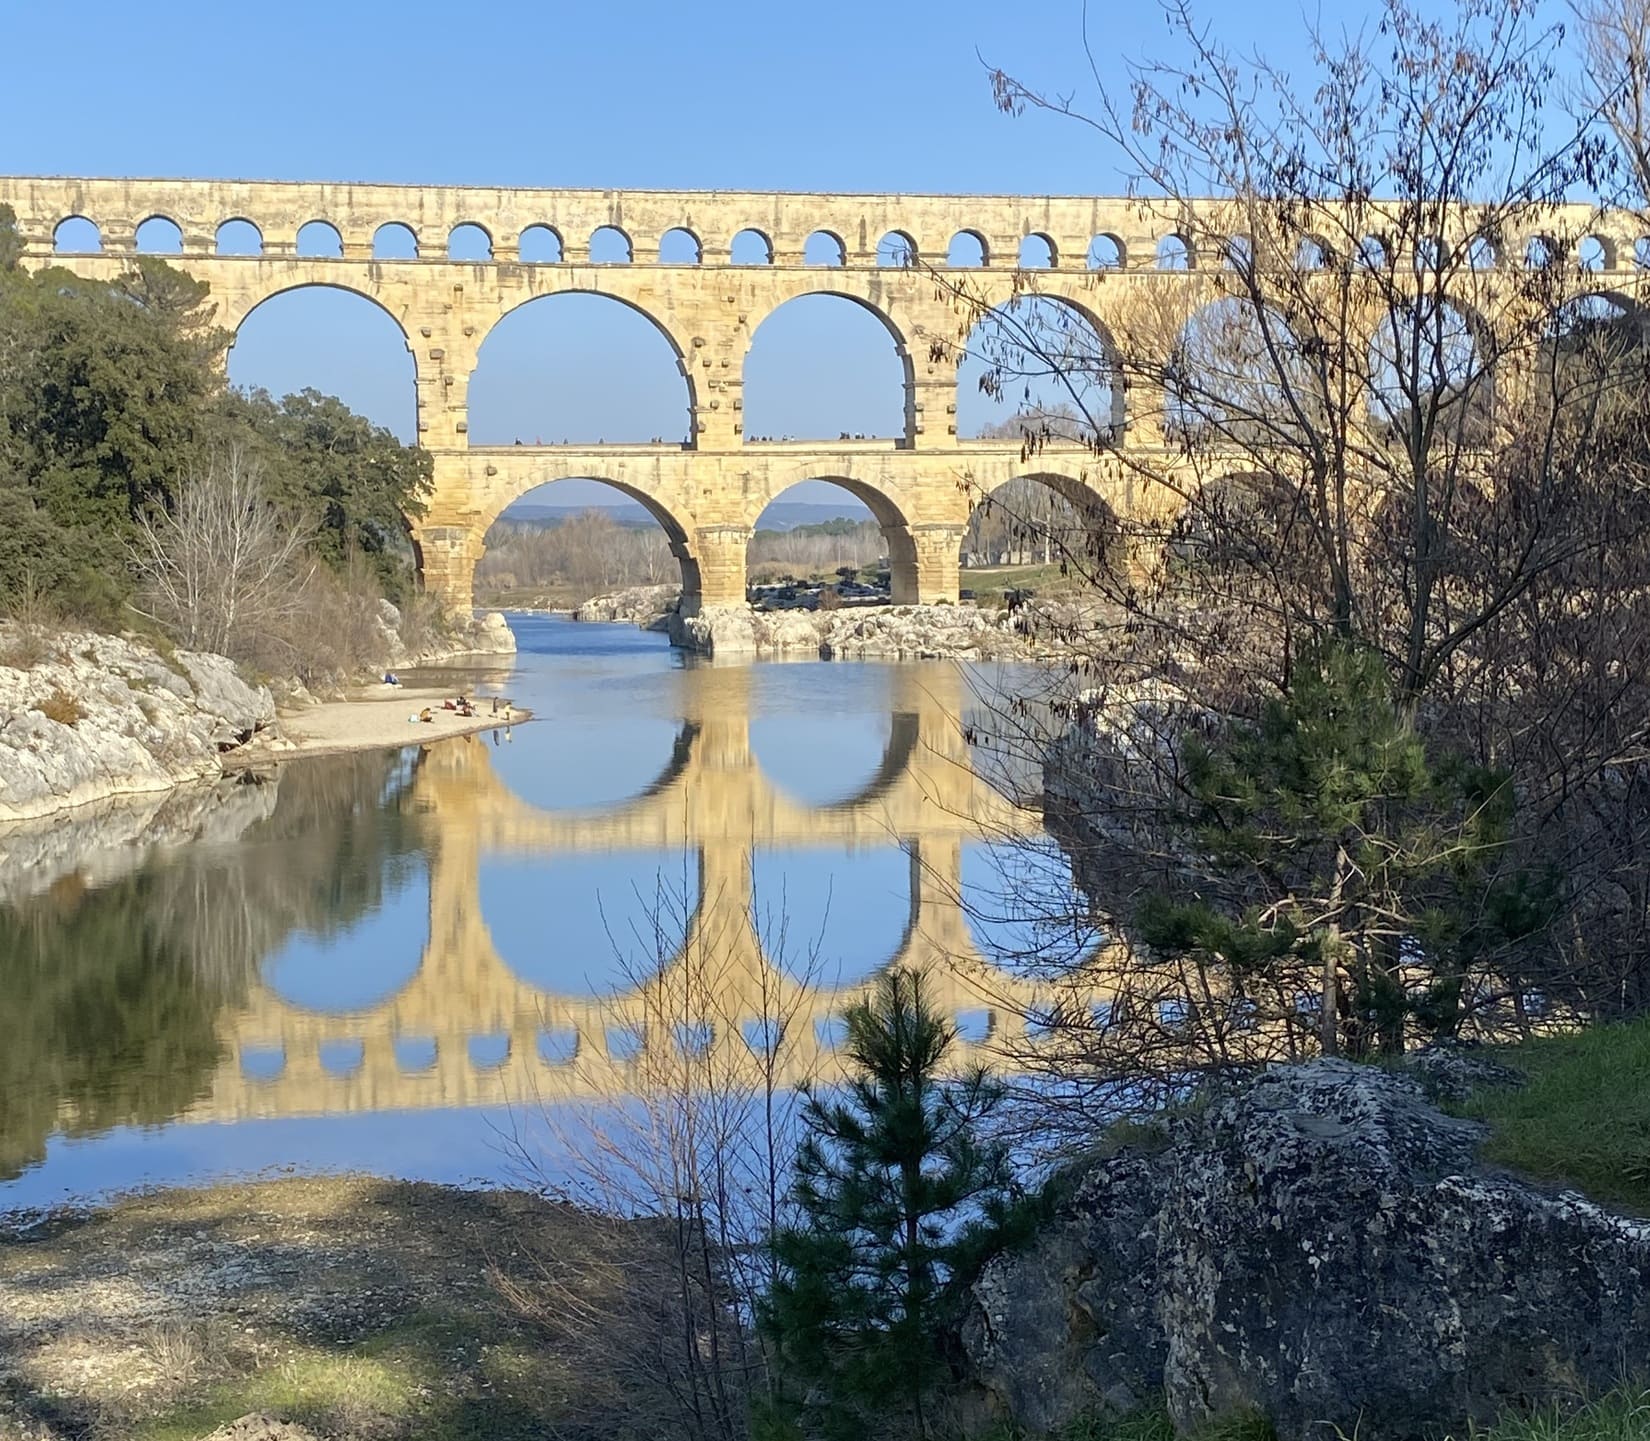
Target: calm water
386	961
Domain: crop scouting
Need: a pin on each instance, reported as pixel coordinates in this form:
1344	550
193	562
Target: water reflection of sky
612	704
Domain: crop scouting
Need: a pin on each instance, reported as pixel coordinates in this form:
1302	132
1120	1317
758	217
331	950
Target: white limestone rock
100	716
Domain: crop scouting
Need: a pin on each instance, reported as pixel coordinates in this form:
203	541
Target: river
402	962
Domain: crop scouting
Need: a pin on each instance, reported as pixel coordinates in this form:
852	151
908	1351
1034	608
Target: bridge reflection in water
465	1030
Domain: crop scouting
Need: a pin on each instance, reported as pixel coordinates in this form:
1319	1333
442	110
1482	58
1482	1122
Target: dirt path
362	1309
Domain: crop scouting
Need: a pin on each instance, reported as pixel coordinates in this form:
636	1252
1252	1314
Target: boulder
1327	1252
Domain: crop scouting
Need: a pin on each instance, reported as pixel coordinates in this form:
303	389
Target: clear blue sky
744	93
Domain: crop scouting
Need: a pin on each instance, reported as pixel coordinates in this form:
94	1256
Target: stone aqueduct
708	491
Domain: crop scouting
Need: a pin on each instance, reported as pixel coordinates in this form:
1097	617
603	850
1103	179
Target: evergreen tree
1322	852
895	1185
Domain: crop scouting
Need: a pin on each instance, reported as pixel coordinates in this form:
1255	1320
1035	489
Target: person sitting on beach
449	704
391	678
427	715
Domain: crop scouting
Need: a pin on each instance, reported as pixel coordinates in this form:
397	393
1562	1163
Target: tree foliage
893	1183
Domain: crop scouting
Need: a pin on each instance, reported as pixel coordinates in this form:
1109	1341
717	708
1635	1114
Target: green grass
1583	1117
1622	1415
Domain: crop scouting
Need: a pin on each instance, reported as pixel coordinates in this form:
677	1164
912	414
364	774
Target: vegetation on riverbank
138	491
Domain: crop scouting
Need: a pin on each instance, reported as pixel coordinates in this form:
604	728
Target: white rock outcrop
96	716
892	632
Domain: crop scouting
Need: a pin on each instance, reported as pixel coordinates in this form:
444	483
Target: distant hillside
782	515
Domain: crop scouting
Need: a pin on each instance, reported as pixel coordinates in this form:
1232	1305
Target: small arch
1482	253
825	248
239	237
489	1051
1641	252
1312	253
610	246
1106	252
1174	252
1373	253
680	246
1429	255
558	1047
158	236
1036	253
76	235
1596	253
263	1063
341	1058
1540	251
320	240
470	243
394	241
967	251
897	250
751	247
540	245
1238	253
415	1053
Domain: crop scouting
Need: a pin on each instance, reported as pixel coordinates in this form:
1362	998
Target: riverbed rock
646	606
883	632
84	717
260	1426
1328	1253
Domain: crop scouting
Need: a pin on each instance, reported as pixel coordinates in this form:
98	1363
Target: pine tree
895	1185
1326	841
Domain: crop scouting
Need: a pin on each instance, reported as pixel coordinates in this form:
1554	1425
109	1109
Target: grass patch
1583	1117
1623	1415
63	708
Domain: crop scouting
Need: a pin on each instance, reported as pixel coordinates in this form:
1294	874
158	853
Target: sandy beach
371	717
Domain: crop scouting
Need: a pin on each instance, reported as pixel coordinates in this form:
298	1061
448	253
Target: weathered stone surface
1330	1254
1068	1327
259	1426
647	606
895	632
130	722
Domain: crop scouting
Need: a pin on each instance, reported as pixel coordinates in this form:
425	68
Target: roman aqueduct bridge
708	489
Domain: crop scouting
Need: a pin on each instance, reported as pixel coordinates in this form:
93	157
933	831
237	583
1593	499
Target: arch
1430	253
1312	253
239	237
158	235
1596	252
777	555
1482	253
813	371
1043	363
1374	253
394	241
1041	517
1435	352
1174	252
967	251
1234	367
1106	252
1037	253
470	243
540	245
680	246
1641	253
274	349
826	248
1587	340
320	240
610	245
580	366
1540	252
897	250
852	909
678	541
842	756
76	235
890	519
1238	253
750	247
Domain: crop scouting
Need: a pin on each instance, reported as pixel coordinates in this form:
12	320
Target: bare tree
223	566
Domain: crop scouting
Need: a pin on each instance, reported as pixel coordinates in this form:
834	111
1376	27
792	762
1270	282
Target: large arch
678	530
1040	518
1236	367
581	366
790	361
1044	363
274	349
899	547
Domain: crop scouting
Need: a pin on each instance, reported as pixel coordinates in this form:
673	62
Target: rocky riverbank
1320	1248
86	717
892	632
647	607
